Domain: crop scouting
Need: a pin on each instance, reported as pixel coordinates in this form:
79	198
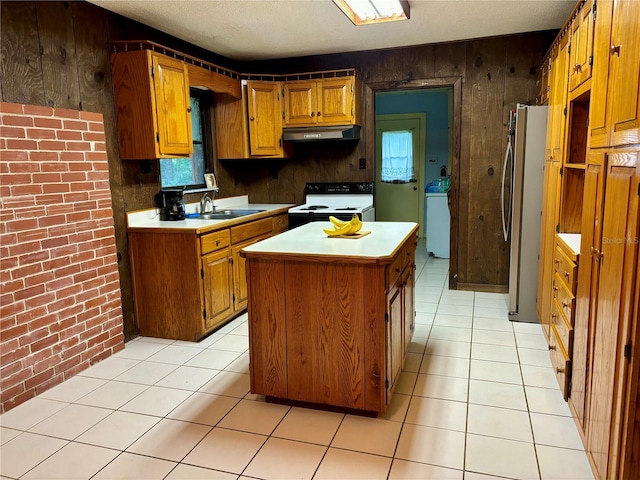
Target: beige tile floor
477	400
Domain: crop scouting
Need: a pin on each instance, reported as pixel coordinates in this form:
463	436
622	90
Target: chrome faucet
206	199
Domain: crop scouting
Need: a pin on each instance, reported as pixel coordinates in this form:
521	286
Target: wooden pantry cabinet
153	108
326	101
187	284
596	354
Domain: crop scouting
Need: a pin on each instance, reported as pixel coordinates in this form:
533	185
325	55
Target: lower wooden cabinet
188	284
562	318
218	281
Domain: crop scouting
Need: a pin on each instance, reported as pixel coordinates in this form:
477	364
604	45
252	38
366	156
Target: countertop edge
213	226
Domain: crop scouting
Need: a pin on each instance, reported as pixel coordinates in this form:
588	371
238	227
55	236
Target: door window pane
397	157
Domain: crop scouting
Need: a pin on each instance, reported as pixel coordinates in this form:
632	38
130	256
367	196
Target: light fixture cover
364	12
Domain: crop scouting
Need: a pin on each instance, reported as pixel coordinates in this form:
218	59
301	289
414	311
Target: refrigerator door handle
506	218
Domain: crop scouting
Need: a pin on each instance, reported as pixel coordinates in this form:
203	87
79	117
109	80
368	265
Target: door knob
415	188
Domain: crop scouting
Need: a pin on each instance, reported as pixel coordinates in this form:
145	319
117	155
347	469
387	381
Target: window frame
206	100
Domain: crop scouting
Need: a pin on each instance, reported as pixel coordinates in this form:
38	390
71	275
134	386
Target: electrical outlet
363	164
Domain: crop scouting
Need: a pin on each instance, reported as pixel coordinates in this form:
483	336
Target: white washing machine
438	224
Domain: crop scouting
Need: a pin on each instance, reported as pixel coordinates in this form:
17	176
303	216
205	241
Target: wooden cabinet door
557	102
547	242
598	133
409	309
335	101
265	118
587	285
218	287
395	344
624	93
239	273
581	46
300	103
173	106
618	257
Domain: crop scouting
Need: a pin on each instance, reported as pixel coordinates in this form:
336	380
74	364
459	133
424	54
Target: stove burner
347	208
315	207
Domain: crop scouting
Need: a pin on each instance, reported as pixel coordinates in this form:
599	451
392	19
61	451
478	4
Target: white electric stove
340	200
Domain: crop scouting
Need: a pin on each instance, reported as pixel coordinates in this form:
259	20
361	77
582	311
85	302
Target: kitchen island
330	319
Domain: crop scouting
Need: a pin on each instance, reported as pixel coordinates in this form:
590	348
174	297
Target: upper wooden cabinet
614	118
152	105
581	55
251	127
264	108
327	101
558	81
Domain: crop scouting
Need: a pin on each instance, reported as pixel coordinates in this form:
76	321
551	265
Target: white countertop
571	240
309	239
151	218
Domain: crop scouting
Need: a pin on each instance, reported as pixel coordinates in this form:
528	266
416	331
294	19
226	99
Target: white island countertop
150	219
309	240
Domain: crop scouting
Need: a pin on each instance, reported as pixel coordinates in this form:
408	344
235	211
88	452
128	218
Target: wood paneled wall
496	73
56	54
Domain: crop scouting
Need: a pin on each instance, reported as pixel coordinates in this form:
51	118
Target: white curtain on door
397	157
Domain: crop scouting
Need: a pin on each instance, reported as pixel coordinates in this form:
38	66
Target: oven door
297	219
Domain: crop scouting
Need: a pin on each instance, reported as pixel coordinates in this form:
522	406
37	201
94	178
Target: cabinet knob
556	261
552	347
566	275
319	114
565	304
251	119
559	370
313	114
189	109
615	50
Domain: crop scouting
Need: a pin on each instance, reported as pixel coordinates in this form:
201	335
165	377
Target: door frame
370	137
422	117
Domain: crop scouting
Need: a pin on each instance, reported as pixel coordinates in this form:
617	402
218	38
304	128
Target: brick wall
60	298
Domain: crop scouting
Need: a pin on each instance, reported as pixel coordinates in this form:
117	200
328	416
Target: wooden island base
330	320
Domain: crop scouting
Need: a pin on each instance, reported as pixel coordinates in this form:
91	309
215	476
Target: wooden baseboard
481	287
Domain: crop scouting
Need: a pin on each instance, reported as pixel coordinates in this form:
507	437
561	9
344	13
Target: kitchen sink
223	214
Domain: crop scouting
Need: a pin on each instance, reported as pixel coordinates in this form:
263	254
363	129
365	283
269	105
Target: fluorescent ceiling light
363	12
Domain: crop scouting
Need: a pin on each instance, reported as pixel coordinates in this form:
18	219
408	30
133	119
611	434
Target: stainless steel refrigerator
522	182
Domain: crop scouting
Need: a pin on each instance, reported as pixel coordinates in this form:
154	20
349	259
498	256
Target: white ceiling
247	30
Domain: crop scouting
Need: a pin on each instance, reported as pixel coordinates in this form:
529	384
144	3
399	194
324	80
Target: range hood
313	134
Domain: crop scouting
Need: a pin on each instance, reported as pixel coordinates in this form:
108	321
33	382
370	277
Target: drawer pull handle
615	50
217	242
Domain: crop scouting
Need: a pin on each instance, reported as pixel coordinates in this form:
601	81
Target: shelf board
576	166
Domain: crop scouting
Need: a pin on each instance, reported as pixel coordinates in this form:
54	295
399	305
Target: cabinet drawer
250	230
562	326
395	269
565	268
560	362
564	297
214	241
